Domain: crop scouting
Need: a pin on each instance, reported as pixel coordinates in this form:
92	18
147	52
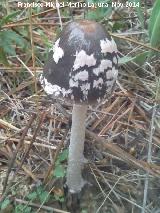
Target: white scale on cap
58	51
83	59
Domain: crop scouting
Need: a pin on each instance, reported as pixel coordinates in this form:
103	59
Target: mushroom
82	68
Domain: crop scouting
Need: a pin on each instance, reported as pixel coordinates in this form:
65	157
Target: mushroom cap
82	65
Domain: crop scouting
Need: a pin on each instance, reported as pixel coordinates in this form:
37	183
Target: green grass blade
155	35
154	15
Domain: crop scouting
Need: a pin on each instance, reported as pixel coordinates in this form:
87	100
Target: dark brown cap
83	64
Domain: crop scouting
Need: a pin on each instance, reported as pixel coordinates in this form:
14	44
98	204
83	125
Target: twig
49	133
105	180
27	171
33	139
135	42
59	15
42	204
26	24
51	167
6	188
8	125
149	158
47	208
151	168
28	142
99	185
27	68
128	158
107	196
21	86
115	118
32	49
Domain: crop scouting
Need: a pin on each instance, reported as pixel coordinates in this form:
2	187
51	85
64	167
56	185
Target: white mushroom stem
75	181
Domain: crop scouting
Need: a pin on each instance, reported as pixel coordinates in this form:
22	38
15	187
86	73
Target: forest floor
122	134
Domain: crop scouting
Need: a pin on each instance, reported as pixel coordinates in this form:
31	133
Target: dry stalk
33	139
135	42
59	14
46	208
149	158
128	158
51	167
7	188
27	142
32	49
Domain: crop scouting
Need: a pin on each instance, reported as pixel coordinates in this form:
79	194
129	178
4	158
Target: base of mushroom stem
83	183
73	201
72	185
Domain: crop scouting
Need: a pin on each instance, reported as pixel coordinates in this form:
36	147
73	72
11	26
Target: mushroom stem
75	181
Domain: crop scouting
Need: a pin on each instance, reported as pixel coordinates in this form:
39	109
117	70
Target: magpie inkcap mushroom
83	68
82	65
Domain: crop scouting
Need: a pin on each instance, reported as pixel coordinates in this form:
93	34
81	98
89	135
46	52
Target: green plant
39	194
23	208
4	204
60	170
153	32
154	29
98	9
9	39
